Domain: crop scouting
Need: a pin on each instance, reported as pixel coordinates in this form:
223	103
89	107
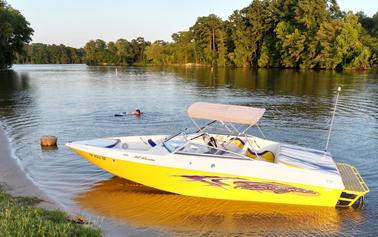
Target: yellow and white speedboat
233	166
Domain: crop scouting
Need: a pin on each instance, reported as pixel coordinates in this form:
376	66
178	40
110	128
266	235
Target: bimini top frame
225	115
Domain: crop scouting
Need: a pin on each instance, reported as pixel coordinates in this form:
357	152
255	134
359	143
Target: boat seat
266	155
237	145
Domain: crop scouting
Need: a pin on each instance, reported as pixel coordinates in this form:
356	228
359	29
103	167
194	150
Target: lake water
76	102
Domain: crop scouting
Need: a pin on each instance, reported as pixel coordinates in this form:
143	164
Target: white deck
306	159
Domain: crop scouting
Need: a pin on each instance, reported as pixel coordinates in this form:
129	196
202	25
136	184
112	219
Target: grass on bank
20	217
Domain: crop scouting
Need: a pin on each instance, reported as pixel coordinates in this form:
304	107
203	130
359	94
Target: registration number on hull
97	156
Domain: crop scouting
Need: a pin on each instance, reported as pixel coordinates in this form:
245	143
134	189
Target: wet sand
15	181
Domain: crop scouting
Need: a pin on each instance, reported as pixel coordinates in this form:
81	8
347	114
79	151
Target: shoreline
201	66
14	180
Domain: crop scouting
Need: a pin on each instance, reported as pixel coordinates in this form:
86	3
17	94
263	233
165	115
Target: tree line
267	33
38	53
121	52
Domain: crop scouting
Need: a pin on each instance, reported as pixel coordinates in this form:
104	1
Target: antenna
333	117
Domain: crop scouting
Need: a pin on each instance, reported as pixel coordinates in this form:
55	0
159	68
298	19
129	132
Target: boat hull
215	185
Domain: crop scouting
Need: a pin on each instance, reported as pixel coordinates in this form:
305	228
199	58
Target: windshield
196	142
174	142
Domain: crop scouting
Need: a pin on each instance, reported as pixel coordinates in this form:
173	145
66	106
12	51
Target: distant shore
196	66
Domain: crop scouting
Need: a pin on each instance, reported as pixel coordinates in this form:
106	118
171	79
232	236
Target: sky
73	23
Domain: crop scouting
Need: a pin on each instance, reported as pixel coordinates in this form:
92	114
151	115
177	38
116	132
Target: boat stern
355	187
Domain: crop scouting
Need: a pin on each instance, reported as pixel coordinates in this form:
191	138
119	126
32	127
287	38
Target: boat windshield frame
232	130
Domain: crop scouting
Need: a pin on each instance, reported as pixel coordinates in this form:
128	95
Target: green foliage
122	52
19	217
369	23
209	39
267	33
264	57
291	43
159	53
298	34
341	46
329	55
348	43
369	36
38	53
96	52
14	34
249	28
183	48
138	46
372	43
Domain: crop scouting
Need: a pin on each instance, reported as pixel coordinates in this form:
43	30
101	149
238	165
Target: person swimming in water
137	112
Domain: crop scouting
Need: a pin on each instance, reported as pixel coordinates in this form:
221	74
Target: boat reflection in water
142	207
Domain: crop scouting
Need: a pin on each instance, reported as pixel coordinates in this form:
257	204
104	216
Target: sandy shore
14	179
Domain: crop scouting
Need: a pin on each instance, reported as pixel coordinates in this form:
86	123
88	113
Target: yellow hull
215	185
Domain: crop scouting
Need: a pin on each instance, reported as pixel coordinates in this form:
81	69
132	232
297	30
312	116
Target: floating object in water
237	166
49	141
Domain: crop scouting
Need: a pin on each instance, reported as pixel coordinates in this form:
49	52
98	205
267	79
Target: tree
96	52
356	55
138	46
111	53
264	57
249	28
124	52
329	57
369	23
89	53
221	47
340	45
15	33
183	47
240	56
154	52
207	35
291	42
